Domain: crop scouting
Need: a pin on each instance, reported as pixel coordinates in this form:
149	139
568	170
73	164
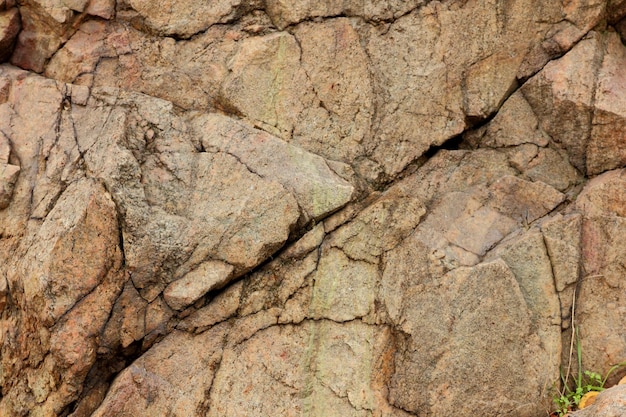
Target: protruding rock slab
455	334
601	302
207	276
173	378
10	26
609	403
317	188
579	100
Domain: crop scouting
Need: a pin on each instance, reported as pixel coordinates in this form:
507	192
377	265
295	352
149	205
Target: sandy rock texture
309	208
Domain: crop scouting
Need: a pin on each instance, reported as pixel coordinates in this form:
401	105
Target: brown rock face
309	208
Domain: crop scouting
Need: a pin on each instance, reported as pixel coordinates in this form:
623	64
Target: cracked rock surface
309	208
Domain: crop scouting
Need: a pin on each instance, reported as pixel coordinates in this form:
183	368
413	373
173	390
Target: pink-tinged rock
601	301
561	96
221	308
181	206
336	64
207	276
8	178
81	52
522	200
609	403
75	248
488	82
74	340
579	101
344	289
265	83
604	195
287	12
185	18
562	237
607	145
173	378
457	328
80	94
101	8
76	5
514	124
528	258
10	26
127	321
39	39
342	374
318	190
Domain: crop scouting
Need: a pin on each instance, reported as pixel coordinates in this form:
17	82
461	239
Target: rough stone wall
308	208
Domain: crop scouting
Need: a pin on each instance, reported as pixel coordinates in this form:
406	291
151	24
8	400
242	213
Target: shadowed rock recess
355	208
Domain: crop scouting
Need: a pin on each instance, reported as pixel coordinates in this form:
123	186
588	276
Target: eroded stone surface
299	208
602	204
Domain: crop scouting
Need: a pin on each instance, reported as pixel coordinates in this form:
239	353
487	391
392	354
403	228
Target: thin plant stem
571	345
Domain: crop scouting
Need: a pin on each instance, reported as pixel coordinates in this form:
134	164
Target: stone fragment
562	94
179	197
222	307
101	8
455	333
10	26
288	12
185	18
82	52
523	200
336	378
562	237
606	149
427	113
604	196
339	119
527	257
41	34
207	276
609	403
474	228
265	83
75	247
8	177
344	289
158	315
127	322
389	220
309	242
316	187
80	94
73	343
600	300
579	102
488	83
172	378
280	281
514	124
551	167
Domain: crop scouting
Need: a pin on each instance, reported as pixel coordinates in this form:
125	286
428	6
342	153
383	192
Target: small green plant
580	384
568	398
